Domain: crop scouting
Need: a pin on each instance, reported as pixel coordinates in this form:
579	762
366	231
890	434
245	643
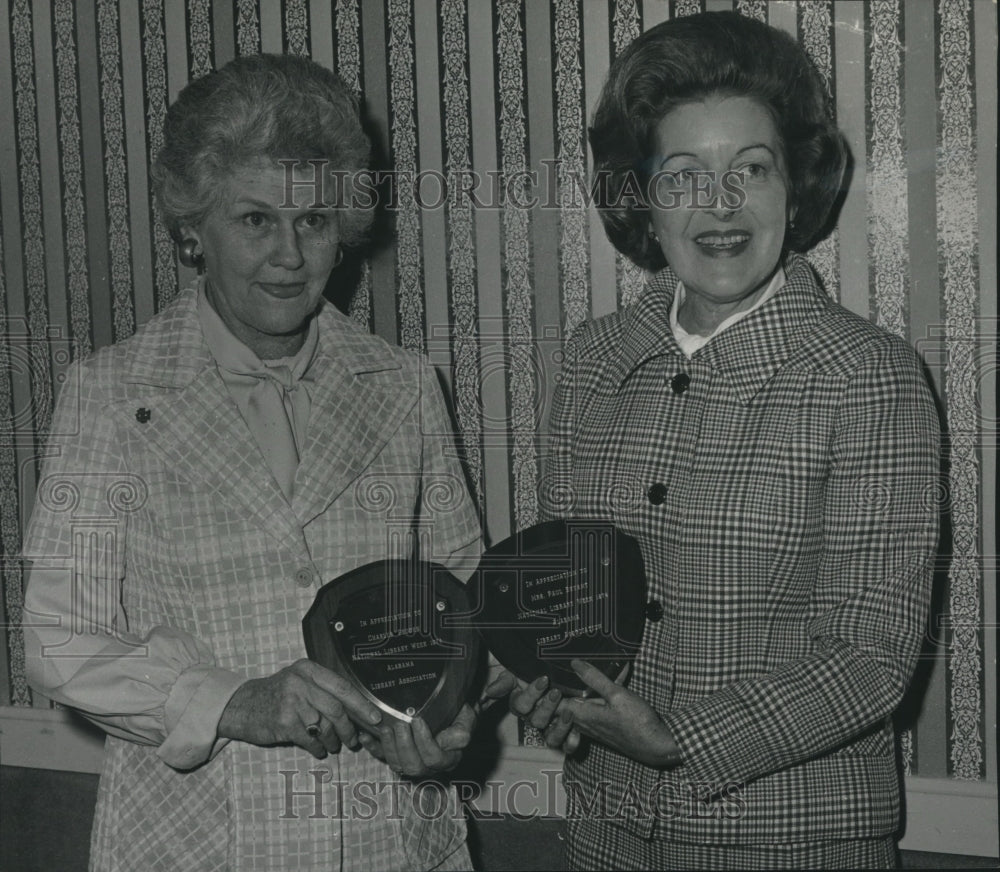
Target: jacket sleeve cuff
692	766
192	713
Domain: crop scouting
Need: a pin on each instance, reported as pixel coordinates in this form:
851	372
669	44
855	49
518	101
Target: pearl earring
189	254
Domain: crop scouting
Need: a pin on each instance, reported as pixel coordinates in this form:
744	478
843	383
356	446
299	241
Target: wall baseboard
943	815
38	738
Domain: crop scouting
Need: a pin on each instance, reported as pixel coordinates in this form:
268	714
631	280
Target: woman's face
724	247
268	255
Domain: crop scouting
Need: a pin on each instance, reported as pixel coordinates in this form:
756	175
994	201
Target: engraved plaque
399	630
559	591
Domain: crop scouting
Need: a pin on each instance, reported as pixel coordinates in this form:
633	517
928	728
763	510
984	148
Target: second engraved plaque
563	590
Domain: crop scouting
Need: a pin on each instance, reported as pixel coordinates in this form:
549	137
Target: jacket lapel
192	423
646	325
362	394
750	352
754	349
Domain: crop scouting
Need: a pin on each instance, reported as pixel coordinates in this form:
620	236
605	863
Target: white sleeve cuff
191	715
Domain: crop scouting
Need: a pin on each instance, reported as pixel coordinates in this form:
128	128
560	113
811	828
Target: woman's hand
302	704
411	750
621	719
501	683
534	706
539	707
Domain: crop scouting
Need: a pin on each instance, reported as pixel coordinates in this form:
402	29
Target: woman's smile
723	243
282	290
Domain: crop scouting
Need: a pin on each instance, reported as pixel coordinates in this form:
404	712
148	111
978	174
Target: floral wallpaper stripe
815	32
522	386
77	284
887	205
247	27
627	26
409	289
957	246
455	91
115	171
463	311
571	171
347	34
12	688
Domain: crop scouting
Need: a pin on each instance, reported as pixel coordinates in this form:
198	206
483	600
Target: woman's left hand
621	719
411	749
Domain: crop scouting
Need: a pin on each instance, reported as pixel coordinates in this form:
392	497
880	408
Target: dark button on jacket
657	493
680	382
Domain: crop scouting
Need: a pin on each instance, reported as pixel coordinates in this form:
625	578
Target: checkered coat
170	568
785	507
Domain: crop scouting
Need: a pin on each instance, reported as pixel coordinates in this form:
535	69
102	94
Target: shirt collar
690	342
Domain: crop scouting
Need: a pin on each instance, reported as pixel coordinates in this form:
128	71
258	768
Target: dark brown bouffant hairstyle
258	107
686	60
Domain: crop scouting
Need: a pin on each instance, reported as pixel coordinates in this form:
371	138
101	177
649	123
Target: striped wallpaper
487	286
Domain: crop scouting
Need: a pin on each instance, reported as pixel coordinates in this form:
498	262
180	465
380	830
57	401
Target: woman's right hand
281	708
539	706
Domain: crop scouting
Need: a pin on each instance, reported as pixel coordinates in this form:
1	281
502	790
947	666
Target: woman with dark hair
206	476
774	455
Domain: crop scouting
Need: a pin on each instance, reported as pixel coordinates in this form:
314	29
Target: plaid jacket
783	494
170	568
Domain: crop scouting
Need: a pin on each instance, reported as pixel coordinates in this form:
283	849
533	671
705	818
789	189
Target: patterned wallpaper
482	106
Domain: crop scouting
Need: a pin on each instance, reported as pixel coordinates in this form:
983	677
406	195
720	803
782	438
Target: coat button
304	577
657	493
654	611
680	382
